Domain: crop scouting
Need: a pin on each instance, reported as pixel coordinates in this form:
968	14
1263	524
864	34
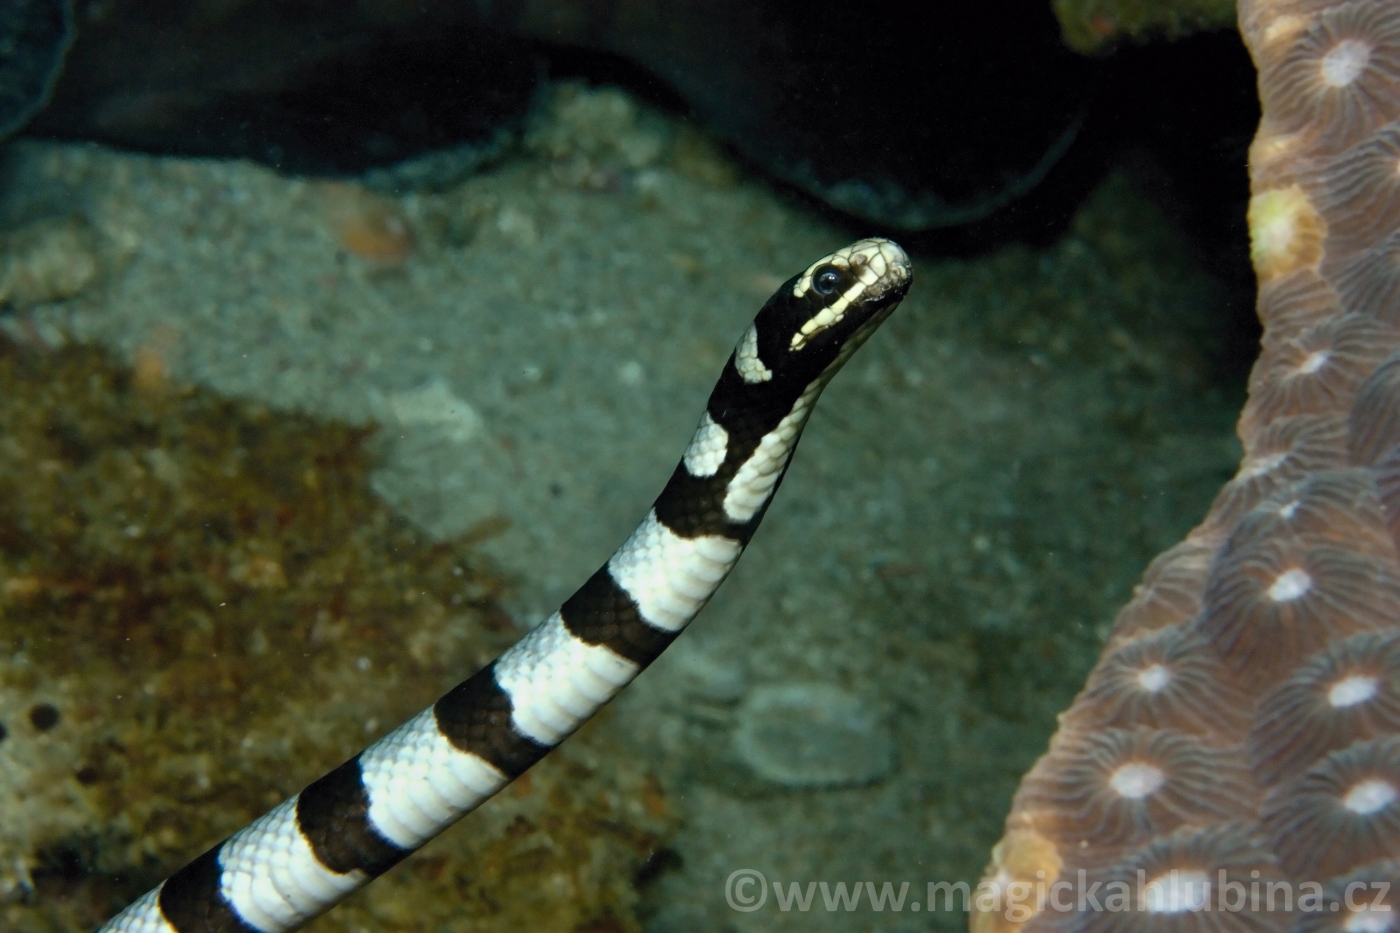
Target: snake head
815	321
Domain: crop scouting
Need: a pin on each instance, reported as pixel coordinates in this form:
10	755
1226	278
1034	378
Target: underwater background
300	427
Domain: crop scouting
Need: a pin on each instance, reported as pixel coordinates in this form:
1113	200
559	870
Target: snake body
343	830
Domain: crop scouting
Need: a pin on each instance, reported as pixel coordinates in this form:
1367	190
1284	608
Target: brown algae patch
202	608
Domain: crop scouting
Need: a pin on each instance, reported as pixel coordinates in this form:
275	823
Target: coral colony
1234	760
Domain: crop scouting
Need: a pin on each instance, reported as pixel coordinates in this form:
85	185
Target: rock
34	35
936	116
47	260
595	136
813	735
711	679
433	447
312	86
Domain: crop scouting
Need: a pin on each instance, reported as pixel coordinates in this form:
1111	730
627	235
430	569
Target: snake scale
350	826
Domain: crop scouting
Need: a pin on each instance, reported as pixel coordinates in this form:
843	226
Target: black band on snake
356	822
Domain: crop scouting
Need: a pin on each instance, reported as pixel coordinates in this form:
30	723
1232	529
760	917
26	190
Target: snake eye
826	280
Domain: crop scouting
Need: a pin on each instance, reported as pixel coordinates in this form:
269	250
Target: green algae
1091	26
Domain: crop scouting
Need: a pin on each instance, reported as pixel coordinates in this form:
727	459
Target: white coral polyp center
1261	465
1349	691
1289	586
1366	920
1177	891
1154	679
1136	780
1313	362
1369	796
1345	62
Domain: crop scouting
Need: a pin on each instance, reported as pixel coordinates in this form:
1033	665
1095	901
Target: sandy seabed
975	496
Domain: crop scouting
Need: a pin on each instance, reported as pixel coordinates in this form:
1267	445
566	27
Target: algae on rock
1091	26
202	608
